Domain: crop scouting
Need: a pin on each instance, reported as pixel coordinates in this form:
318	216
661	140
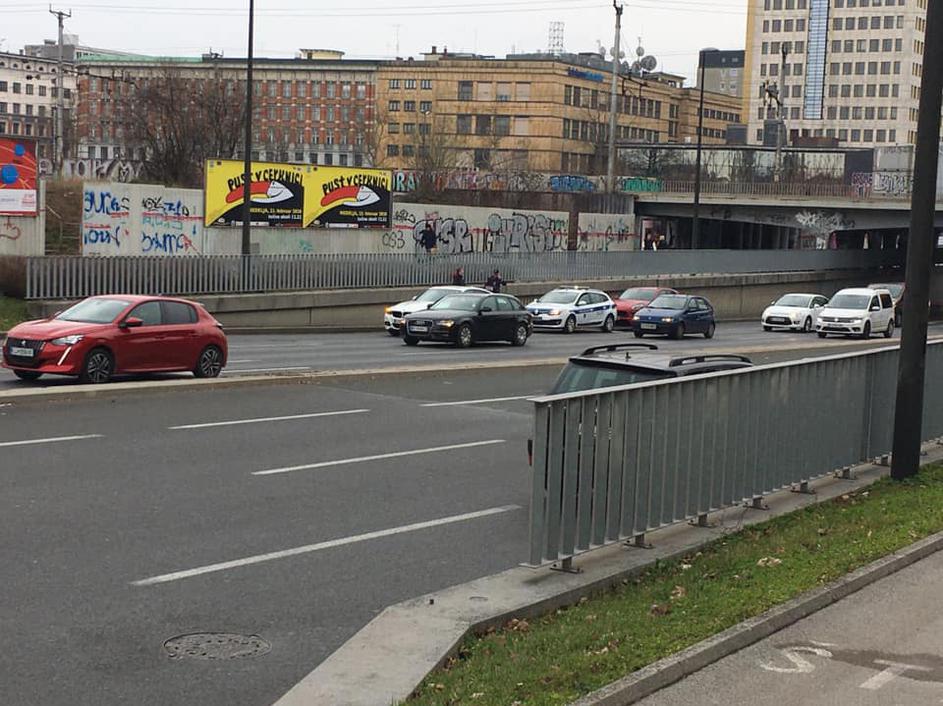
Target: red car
112	335
632	300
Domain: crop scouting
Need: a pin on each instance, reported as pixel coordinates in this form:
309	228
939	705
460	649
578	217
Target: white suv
568	308
858	312
394	317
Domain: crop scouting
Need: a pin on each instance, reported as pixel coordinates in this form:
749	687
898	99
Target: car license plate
22	352
419	329
649	327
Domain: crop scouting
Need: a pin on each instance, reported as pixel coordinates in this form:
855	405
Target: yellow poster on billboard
298	195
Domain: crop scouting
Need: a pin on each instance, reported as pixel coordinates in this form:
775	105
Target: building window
502	125
393	128
410	84
409	128
425	106
463	124
484	91
523	91
331	90
361	91
465	90
503	92
409	106
482	124
394	84
345	91
521	126
17	88
425	84
393	106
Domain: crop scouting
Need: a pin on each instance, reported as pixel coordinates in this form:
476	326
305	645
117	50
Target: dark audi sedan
463	319
675	315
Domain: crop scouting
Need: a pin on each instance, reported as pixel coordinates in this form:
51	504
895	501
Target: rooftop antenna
555	38
397	38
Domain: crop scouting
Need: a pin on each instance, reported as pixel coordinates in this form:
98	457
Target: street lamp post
696	226
247	167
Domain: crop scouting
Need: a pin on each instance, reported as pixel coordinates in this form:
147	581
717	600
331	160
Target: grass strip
12	312
673	605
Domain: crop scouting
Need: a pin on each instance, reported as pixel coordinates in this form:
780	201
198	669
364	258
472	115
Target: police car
569	308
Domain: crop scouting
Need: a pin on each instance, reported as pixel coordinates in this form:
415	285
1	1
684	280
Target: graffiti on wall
122	219
461	229
407	181
604	232
119	170
821	222
9	230
889	184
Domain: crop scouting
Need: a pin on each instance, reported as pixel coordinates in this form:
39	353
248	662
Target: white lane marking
236	362
362	459
491	399
267	370
259	420
51	440
893	670
259	558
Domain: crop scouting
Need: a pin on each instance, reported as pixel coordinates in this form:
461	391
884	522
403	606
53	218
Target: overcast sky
671	30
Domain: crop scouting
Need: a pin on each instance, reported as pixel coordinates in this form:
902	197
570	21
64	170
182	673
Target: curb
670	670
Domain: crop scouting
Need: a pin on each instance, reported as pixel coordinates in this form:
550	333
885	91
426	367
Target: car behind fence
611	465
75	277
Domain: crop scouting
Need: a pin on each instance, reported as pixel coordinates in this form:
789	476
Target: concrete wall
607	232
25	235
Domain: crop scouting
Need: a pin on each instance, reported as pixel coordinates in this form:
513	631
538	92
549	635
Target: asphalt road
882	646
129	521
287	353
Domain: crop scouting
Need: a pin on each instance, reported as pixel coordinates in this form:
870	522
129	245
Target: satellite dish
640	51
648	63
636	68
613	51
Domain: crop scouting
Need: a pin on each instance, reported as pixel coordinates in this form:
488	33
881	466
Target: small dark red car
632	300
118	334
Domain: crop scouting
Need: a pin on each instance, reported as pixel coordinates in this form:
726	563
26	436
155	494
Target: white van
858	312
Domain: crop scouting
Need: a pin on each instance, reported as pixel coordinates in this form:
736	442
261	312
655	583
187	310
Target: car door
818	303
692	317
507	317
707	314
582	310
887	309
488	319
875	314
138	348
179	341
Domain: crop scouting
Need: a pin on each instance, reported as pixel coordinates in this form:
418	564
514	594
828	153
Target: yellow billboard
297	195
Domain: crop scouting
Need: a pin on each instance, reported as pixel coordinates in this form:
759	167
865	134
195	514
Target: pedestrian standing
458	277
495	282
428	238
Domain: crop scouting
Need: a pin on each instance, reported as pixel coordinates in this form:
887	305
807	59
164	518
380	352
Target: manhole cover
216	645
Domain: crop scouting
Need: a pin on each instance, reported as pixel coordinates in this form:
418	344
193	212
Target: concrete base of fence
740	296
384	662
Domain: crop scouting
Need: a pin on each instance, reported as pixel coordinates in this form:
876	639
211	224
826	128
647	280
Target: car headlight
67	340
387	310
856	321
667	319
795	318
447	323
637	317
555	312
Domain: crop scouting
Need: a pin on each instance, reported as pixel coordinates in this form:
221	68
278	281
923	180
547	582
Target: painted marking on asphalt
51	440
236	362
484	401
267	370
308	548
260	420
892	671
378	457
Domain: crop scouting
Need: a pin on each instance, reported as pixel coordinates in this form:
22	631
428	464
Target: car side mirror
485	310
875	308
131	322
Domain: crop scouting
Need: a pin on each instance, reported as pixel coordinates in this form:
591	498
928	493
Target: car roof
139	298
646	355
800	294
885	285
867	291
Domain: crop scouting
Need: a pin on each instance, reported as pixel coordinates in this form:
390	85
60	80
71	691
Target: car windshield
800	300
432	295
558	297
94	311
669	301
639	294
894	289
850	301
459	302
578	376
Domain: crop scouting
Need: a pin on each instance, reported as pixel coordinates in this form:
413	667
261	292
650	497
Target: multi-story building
843	69
723	72
72	49
29	91
529	112
315	108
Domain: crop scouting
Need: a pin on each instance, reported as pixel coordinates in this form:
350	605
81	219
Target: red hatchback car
632	300
112	335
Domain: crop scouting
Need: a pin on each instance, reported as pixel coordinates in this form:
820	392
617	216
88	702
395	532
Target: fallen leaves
678	593
659	610
769	561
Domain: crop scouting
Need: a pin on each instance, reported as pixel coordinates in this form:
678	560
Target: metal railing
611	465
64	277
788	189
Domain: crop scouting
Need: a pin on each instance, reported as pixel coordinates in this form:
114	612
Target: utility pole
908	415
616	47
60	95
246	249
696	225
781	127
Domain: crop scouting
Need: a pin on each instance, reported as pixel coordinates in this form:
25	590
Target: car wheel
410	340
897	320
520	335
822	334
393	332
866	333
709	333
638	334
889	331
98	368
609	324
27	374
807	326
210	363
569	326
678	332
767	328
464	338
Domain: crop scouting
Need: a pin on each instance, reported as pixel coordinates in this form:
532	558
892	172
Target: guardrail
611	465
62	277
791	189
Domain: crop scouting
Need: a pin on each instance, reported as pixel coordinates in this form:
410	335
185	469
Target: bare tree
432	151
181	121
